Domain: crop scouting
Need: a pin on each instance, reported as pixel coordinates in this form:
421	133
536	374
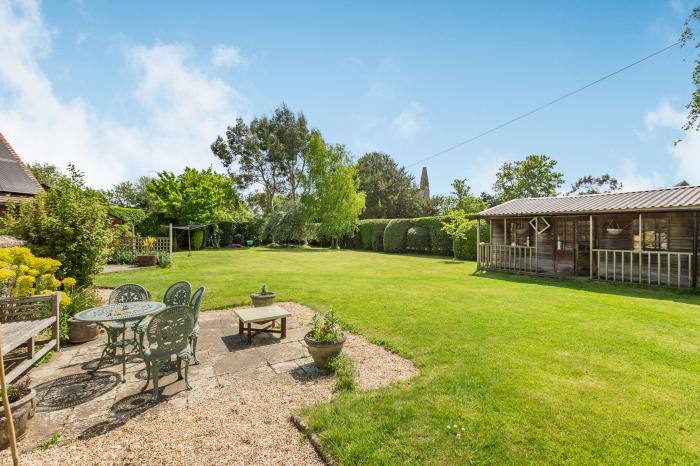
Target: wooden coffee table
262	315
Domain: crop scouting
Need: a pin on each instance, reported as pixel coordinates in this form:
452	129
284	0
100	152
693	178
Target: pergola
189	227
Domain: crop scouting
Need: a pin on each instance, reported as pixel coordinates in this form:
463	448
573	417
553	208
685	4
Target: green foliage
343	366
197	239
440	242
286	225
52	442
389	189
122	256
689	35
371	233
395	234
418	239
69	223
128	194
463	232
80	299
130	215
197	196
18	390
533	177
331	195
590	184
165	260
326	328
46	173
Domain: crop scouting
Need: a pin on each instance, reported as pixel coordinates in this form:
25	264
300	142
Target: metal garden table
121	313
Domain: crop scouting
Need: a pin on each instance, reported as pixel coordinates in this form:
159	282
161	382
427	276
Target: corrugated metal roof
15	177
681	197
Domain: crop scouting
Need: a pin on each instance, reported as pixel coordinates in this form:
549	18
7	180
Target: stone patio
266	381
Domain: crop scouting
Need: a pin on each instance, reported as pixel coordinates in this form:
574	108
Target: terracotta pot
81	332
147	261
22	411
260	300
323	352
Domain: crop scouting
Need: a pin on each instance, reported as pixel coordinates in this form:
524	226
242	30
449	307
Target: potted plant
148	258
80	299
263	297
22	403
325	340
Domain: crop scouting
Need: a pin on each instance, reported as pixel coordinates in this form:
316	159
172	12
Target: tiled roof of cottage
15	176
676	198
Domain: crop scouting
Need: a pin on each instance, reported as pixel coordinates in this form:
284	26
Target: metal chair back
196	302
128	293
178	294
169	330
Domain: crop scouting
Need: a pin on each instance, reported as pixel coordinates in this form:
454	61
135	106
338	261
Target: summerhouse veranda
648	237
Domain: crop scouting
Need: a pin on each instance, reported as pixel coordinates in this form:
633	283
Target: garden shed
646	237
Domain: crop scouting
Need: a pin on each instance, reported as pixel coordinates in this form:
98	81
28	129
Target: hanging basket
614	231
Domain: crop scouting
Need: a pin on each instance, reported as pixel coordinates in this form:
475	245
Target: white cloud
687	152
408	122
186	108
226	56
677	6
632	180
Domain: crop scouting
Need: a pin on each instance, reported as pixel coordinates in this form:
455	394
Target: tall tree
590	184
197	196
533	177
129	194
48	174
390	190
331	195
254	150
688	36
291	137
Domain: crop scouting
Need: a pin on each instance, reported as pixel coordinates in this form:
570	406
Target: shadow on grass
631	290
294	249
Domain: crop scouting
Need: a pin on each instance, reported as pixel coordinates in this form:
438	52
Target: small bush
465	247
440	242
122	256
197	239
344	368
165	260
418	239
395	235
372	233
238	239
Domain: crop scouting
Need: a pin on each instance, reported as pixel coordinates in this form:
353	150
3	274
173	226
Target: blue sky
129	88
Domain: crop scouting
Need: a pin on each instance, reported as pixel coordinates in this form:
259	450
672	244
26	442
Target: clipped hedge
395	234
440	242
418	239
197	239
465	248
129	215
371	233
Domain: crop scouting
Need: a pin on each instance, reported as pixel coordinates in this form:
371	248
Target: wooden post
189	242
590	248
490	231
641	247
478	244
170	238
133	237
505	234
9	422
537	235
694	264
56	311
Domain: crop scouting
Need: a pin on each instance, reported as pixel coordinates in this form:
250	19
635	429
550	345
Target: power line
542	107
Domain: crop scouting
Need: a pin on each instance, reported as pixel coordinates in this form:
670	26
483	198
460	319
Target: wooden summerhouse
648	237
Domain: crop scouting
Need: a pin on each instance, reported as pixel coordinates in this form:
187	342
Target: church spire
424	183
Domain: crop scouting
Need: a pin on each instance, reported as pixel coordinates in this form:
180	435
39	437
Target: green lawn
535	370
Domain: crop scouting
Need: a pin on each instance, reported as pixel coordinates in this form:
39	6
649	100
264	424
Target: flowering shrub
24	274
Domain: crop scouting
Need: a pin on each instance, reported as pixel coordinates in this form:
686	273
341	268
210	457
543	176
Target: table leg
284	328
250	336
109	346
240	326
124	355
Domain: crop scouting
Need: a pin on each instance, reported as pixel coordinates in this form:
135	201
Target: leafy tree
291	136
268	152
128	194
595	184
69	223
48	174
461	198
390	190
197	196
533	177
689	34
331	185
286	224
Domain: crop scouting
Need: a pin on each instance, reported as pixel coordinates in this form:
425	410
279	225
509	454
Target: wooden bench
23	322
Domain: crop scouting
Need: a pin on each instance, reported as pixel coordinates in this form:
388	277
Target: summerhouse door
564	245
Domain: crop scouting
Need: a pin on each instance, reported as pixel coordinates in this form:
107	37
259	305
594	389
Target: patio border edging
313	439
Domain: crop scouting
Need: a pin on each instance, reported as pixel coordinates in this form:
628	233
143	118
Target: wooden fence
667	268
136	244
506	257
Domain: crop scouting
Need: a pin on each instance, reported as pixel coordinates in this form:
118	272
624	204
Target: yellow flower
46	292
33	272
69	282
6	275
25	285
65	299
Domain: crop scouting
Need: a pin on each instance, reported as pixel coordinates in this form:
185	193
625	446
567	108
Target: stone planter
260	300
81	332
323	352
22	411
147	261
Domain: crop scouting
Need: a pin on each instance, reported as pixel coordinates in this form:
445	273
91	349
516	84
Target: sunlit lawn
534	370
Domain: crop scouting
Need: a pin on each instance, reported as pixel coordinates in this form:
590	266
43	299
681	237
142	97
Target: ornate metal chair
127	293
178	294
169	334
195	304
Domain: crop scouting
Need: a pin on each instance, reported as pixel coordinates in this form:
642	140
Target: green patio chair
169	334
195	304
178	294
127	293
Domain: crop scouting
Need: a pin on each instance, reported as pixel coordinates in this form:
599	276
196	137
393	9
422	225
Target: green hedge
371	233
395	234
465	249
197	239
440	242
130	215
418	239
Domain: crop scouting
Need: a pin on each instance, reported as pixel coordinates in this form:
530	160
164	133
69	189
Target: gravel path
243	419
